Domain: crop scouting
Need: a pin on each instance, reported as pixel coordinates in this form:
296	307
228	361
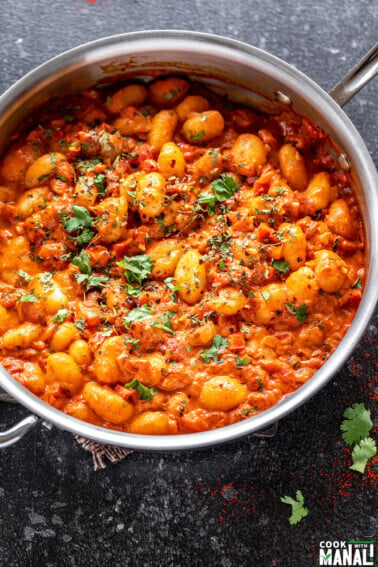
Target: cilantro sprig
362	452
300	312
29	298
99	181
81	222
165	322
219	343
24	275
83	263
280	266
144	392
223	188
241	361
172	287
60	316
356	428
357	424
137	314
298	510
137	268
357	284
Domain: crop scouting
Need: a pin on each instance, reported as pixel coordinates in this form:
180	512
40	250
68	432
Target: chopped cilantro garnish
221	266
281	266
133	291
30	298
60	316
219	343
223	188
99	181
83	165
137	268
84	265
137	314
265	294
241	361
144	392
196	137
300	312
357	284
24	275
173	288
209	199
84	237
166	323
81	219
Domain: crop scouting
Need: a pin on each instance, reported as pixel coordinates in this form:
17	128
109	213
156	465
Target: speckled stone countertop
219	507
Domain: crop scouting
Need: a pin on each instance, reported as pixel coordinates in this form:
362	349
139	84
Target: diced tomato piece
236	342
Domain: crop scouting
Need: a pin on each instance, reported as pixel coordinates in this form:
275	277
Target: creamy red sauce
171	262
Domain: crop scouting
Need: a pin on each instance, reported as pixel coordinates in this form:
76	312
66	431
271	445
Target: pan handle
365	70
16	432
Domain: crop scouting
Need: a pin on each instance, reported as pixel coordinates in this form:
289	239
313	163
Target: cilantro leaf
357	284
219	343
196	137
133	291
24	275
209	199
221	266
83	263
137	268
145	393
265	294
81	219
298	511
60	316
362	453
224	187
84	237
300	312
173	288
96	281
137	314
30	298
241	361
166	323
357	424
280	266
99	181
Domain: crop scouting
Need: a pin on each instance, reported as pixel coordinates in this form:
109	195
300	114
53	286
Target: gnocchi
170	261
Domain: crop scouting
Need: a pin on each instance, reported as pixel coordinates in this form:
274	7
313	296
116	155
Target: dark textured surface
218	507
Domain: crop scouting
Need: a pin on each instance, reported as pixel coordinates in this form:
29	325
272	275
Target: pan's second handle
15	433
358	77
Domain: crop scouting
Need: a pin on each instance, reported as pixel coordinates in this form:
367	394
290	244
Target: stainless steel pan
248	75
